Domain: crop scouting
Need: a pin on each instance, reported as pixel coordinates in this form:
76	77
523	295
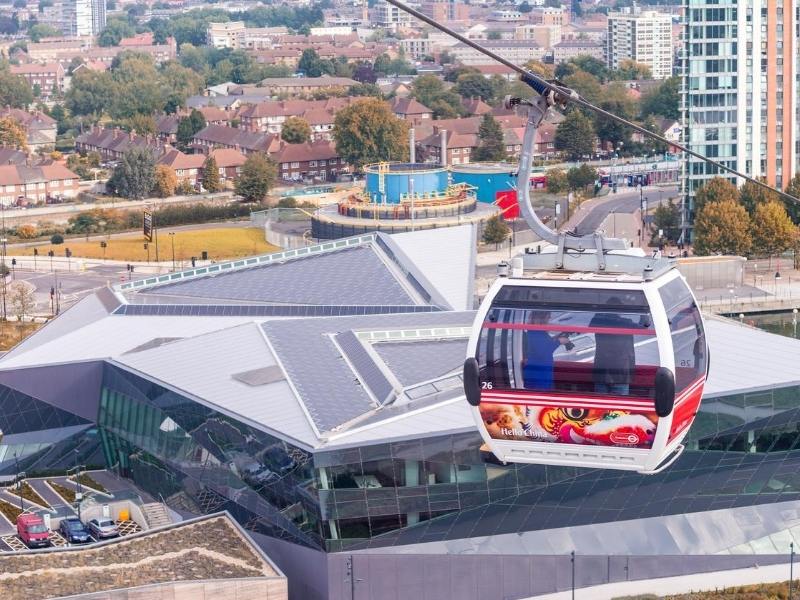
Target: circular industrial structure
488	179
400	197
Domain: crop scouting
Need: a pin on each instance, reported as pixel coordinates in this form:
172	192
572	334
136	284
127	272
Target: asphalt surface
626	200
72	285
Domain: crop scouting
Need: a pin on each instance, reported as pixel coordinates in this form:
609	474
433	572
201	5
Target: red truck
32	531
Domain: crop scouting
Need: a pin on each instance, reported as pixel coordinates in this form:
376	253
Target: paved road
72	285
622	202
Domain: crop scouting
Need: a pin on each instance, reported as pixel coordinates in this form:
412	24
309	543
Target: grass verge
66	493
221	243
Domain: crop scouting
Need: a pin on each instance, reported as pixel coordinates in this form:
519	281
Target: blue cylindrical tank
487	178
397	181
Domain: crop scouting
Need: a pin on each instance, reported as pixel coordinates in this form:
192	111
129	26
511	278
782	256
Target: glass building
343	427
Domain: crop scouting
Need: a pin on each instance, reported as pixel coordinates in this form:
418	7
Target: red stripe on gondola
577	404
569	328
564	397
561	401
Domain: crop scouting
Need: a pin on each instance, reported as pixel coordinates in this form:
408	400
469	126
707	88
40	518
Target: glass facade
33	434
742	450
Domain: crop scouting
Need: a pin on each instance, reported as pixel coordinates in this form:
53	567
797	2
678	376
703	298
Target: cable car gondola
587	369
589	354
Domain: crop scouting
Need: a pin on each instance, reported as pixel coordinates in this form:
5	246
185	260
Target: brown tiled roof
176	159
213	113
408	106
233	137
228	157
475	106
320	150
167	124
35	120
36	68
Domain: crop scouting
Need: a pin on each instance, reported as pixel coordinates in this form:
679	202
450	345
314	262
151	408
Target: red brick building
48	77
314	160
21	184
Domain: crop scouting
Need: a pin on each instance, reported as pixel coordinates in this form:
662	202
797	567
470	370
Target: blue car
74	531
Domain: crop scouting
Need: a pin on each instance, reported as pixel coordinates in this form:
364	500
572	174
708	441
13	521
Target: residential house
462	138
313	160
40	129
167	128
47	78
411	110
23	184
475	106
111	144
220	136
273	86
568	49
12	156
190	167
269	116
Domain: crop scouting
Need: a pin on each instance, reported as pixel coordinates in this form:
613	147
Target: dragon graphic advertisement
589	425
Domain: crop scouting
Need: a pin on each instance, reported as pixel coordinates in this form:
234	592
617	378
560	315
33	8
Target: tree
474	85
752	196
364	73
581	177
491	146
722	226
115	30
367	132
664	100
586	84
134	177
537	67
22	299
495	231
630	69
141	124
556	181
165	181
211	181
575	135
524	7
13	134
39	31
258	175
587	64
14	90
89	93
716	189
616	101
311	65
773	230
667	219
188	127
295	130
793	207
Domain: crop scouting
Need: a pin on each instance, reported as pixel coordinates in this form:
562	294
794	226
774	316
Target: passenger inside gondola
538	353
614	355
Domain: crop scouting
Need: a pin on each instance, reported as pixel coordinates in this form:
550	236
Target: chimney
412	152
443	145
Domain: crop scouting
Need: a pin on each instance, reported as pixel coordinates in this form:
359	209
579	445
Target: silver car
103	528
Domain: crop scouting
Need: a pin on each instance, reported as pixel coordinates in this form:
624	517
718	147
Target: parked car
32	531
103	528
74	531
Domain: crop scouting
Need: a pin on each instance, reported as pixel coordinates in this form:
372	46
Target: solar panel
265	310
366	368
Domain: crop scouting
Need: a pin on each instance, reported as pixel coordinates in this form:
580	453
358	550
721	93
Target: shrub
56	239
27	232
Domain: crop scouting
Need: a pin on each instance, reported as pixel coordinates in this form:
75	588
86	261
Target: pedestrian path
685	584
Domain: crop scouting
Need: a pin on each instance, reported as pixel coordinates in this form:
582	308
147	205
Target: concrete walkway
701	582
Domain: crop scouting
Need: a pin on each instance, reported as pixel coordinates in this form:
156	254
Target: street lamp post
172	237
16	478
791	569
572	560
79	495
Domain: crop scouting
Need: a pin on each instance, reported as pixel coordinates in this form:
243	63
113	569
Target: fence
284	237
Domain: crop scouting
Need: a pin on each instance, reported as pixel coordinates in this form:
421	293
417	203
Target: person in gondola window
537	372
615	355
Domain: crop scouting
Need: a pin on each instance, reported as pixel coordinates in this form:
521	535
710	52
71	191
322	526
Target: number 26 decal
486	385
